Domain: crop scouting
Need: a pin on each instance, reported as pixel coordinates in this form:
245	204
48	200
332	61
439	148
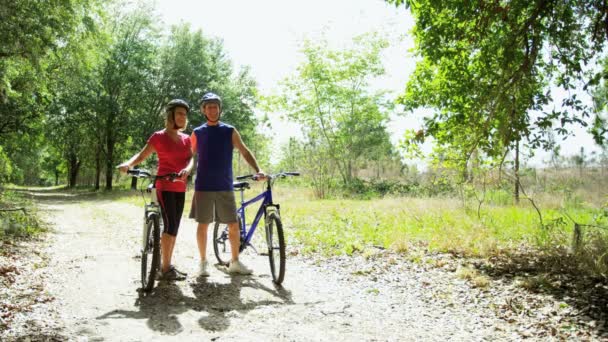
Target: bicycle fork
150	212
271	208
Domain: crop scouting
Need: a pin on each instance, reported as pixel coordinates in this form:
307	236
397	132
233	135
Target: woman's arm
137	158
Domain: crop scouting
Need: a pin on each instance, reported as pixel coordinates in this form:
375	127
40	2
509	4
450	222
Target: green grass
416	226
344	226
18	224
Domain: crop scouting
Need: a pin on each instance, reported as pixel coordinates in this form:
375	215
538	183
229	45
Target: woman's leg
173	207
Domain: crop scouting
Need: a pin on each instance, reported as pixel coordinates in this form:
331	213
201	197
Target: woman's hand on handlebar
124	167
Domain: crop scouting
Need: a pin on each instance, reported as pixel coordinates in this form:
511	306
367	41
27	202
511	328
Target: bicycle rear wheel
276	247
150	254
221	242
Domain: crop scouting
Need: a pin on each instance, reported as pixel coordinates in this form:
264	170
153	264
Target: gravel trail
92	272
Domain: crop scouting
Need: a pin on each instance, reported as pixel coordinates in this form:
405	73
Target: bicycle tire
221	242
276	247
151	248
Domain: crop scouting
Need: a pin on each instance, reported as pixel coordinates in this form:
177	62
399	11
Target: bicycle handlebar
147	174
272	176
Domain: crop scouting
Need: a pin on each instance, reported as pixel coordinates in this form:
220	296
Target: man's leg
235	239
201	239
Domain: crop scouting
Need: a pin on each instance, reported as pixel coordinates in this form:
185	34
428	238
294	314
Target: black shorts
172	204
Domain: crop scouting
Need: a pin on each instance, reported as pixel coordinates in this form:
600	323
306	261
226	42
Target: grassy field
442	224
437	225
449	225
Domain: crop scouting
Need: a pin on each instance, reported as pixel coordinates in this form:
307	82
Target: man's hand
259	176
183	175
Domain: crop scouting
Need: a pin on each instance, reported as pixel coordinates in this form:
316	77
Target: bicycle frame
152	207
266	198
151	229
275	238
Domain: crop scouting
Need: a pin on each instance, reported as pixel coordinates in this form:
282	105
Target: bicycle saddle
240	185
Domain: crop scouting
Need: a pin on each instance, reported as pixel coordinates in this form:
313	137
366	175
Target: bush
360	188
17	223
6	167
499	197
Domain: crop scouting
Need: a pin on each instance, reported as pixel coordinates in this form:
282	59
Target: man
214	199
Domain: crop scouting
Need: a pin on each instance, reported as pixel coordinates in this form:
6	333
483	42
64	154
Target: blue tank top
214	149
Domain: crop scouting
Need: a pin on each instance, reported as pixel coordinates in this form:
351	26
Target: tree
343	121
29	31
486	67
580	160
188	65
599	129
70	113
124	75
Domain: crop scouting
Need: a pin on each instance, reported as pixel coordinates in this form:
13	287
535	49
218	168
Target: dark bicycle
275	239
150	249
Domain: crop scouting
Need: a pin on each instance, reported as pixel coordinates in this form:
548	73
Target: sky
266	36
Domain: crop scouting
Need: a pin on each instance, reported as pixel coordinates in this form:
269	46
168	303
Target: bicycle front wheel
150	254
276	247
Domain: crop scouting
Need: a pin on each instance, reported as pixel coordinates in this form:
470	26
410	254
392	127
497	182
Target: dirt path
93	274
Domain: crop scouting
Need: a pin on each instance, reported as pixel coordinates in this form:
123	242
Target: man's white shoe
203	269
237	267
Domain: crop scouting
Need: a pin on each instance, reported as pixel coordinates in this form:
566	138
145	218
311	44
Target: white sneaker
238	267
202	270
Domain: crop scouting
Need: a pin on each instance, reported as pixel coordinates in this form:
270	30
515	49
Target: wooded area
83	83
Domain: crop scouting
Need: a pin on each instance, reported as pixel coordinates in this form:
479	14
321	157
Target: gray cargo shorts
213	206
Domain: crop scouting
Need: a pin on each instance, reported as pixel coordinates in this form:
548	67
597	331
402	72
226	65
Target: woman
174	155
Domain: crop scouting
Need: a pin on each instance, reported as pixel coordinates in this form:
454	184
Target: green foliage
405	224
17	223
485	66
6	167
599	129
342	120
29	32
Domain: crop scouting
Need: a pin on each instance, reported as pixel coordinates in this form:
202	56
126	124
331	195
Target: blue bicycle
275	239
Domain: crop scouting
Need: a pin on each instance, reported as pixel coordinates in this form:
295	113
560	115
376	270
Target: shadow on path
214	301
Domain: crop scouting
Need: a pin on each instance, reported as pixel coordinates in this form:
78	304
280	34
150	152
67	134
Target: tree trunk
109	160
109	171
73	167
134	181
74	174
56	177
516	193
97	168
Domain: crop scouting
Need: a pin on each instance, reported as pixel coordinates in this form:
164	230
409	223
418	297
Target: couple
214	197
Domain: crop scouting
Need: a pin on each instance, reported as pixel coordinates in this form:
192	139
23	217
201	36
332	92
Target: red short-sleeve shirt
173	156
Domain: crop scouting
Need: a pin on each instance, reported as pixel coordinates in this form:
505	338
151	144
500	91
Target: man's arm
193	143
238	143
188	169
